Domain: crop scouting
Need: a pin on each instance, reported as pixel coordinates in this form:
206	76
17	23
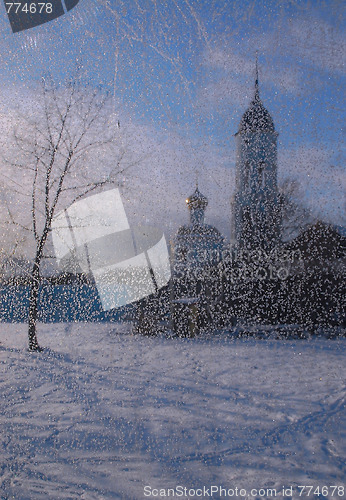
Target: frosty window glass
172	249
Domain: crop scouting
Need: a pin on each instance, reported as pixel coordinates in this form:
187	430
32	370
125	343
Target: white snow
101	413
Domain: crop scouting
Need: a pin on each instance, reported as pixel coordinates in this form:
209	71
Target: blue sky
182	72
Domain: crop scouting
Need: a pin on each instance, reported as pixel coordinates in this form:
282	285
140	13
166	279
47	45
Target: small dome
197	200
256	117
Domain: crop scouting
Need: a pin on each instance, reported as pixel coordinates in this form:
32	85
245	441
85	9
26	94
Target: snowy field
101	414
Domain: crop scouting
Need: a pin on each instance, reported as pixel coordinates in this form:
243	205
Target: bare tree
295	216
56	150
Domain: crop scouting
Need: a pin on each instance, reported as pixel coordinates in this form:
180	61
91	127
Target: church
202	265
197	244
256	208
197	248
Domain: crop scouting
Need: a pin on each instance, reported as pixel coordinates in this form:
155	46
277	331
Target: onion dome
256	118
197	200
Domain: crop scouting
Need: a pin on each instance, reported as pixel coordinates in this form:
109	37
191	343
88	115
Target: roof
256	117
320	241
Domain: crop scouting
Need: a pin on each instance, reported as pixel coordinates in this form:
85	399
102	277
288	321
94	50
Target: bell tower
256	212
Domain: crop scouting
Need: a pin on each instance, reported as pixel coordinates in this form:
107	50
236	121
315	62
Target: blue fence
58	303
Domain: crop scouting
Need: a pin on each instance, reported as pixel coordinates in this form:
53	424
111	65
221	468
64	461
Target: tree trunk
33	306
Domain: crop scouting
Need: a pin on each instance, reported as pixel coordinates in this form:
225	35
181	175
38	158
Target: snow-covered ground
101	413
